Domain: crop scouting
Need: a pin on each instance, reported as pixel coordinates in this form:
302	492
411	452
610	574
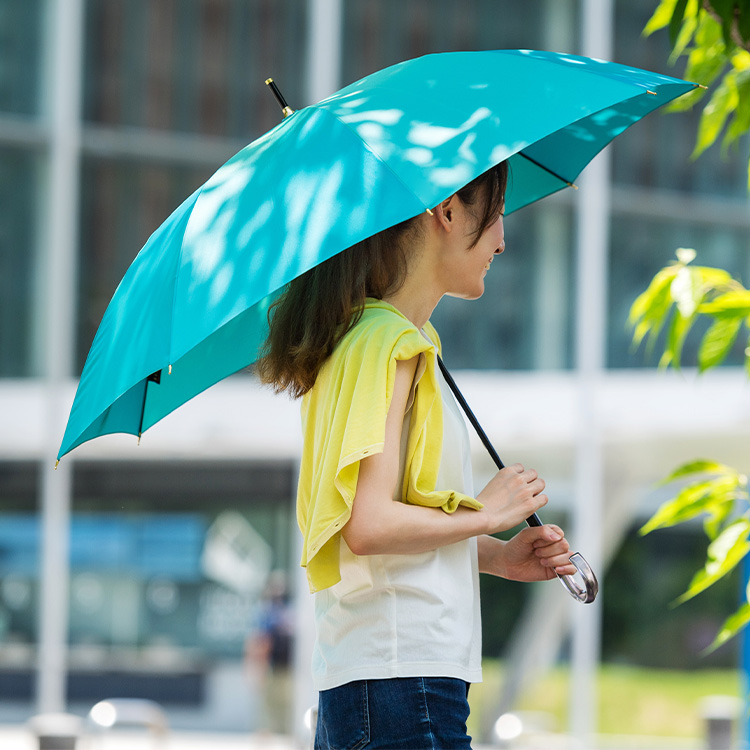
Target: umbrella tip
57	463
653	93
285	108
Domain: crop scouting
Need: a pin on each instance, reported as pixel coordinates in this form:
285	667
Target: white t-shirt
406	615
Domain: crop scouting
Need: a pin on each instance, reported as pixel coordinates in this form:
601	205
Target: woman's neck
414	304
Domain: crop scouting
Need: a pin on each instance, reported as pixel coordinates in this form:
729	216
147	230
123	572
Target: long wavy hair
318	308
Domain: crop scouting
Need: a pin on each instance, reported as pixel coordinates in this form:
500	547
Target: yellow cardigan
343	421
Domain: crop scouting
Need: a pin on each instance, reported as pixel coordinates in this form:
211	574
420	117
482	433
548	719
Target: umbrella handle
582	585
586	593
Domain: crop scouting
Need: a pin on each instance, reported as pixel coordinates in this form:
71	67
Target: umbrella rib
554	174
370	150
143	412
154	377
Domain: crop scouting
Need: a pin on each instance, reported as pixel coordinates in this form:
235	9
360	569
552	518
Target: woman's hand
511	496
537	553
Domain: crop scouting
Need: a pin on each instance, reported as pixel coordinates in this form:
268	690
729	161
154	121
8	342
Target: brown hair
318	308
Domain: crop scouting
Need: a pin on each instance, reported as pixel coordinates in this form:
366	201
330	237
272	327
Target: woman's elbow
360	539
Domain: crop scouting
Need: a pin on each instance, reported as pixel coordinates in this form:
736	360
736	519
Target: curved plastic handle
582	585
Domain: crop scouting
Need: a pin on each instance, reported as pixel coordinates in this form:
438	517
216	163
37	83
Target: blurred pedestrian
269	653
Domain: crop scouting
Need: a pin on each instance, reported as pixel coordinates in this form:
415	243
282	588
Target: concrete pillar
62	94
591	320
323	79
324	48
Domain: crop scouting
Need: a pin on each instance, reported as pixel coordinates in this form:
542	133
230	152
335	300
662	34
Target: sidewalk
19	738
15	737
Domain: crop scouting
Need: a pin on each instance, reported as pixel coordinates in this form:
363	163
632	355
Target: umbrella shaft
533	519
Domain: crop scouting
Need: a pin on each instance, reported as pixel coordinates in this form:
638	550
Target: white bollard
56	731
720	714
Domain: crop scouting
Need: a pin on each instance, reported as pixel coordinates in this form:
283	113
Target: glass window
196	67
181	552
524	320
20	55
640	246
18	193
169	565
19	578
382	33
122	203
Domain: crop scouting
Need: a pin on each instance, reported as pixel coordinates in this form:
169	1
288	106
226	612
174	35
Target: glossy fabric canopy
192	307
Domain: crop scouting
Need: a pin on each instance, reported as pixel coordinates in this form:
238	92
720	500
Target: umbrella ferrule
285	108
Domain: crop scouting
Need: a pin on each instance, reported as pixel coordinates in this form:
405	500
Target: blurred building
112	113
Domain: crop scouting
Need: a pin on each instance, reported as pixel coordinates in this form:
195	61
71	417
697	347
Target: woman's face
466	266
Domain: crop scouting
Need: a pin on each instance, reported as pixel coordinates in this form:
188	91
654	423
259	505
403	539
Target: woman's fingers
553	550
566	570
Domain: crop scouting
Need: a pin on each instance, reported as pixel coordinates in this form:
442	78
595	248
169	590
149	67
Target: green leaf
724	553
650	310
661	17
682	31
675	23
717	342
713	278
714	524
644	301
699	466
733	625
725	10
722	103
735	304
743	23
740	123
653	318
692	501
678	330
708	35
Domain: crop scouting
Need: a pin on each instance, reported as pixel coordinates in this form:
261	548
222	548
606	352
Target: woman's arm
378	525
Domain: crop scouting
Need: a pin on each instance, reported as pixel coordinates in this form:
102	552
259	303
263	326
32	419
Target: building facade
110	115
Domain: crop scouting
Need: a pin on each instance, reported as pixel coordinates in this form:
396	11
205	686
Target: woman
394	537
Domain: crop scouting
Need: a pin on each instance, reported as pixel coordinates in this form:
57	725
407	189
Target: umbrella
192	307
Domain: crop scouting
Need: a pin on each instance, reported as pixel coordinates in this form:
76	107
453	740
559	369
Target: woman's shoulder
381	334
382	326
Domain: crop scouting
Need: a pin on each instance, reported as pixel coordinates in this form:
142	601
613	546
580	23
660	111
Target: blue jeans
407	713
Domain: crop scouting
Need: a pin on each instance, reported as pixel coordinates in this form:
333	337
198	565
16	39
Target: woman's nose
501	248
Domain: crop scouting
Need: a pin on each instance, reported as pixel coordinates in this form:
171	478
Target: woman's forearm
399	528
491	555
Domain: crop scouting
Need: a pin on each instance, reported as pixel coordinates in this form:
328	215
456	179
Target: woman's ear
444	213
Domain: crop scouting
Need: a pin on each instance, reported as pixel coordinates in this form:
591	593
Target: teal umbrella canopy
192	308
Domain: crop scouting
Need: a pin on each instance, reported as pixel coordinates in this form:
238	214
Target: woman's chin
467	295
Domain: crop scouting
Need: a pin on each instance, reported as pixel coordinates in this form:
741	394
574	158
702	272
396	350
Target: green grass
632	700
